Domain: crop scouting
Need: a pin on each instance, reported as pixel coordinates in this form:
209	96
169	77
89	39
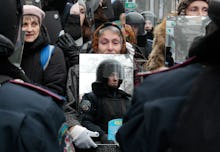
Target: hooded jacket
54	76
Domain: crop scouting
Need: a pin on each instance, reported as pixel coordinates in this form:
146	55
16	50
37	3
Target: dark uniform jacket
30	120
54	76
177	110
106	105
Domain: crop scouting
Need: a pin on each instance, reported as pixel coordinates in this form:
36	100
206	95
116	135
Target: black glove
70	50
104	140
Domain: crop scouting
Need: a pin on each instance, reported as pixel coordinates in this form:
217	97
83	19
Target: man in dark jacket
106	101
178	110
31	119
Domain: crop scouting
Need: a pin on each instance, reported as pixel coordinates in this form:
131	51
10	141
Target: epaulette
59	99
187	62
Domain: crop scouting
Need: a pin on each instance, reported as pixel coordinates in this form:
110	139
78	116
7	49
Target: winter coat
54	76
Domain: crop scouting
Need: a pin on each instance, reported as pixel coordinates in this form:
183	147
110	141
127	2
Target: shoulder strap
45	55
59	99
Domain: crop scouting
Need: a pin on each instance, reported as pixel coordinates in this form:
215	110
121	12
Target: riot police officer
106	101
30	116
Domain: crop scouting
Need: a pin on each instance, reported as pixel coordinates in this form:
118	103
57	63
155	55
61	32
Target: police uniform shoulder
39	90
177	66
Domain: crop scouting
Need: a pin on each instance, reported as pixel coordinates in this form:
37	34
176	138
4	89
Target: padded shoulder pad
59	99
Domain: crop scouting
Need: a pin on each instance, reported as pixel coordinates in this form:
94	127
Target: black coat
54	76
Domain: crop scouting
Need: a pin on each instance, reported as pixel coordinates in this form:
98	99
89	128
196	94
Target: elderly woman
52	73
108	39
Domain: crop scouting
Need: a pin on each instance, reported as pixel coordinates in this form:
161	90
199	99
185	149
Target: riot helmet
108	67
10	28
149	16
136	20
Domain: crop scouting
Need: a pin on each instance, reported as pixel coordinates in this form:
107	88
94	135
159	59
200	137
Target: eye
116	42
205	9
34	24
103	42
193	9
24	25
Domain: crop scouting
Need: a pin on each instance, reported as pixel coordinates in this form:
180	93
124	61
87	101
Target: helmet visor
113	70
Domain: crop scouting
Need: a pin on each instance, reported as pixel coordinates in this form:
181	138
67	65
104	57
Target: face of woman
109	43
197	8
31	27
82	13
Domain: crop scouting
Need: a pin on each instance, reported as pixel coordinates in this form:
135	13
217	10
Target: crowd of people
173	107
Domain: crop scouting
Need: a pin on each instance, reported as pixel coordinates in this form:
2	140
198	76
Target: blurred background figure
150	23
136	21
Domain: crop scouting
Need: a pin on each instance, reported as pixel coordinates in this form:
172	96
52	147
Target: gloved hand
104	140
82	137
66	42
75	9
70	50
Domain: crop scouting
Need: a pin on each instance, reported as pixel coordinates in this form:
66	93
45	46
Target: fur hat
184	4
34	10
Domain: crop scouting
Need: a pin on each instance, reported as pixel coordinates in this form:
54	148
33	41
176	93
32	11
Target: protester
108	39
50	74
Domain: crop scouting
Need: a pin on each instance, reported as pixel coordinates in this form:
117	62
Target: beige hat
34	10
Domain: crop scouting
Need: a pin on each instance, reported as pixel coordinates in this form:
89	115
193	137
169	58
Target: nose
110	47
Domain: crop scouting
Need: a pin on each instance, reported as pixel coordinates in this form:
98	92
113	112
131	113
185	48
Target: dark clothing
29	120
177	110
54	76
106	104
150	122
30	116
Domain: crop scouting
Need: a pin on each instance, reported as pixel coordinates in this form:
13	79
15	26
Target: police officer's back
30	119
178	110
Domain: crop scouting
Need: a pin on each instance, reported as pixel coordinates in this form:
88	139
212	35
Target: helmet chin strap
6	46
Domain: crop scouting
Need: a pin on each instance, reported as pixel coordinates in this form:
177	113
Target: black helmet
11	15
108	67
214	11
136	20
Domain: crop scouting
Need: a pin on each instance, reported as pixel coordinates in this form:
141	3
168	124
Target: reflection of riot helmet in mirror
11	12
108	67
149	16
136	20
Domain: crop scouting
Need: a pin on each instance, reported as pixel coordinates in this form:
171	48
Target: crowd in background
103	27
